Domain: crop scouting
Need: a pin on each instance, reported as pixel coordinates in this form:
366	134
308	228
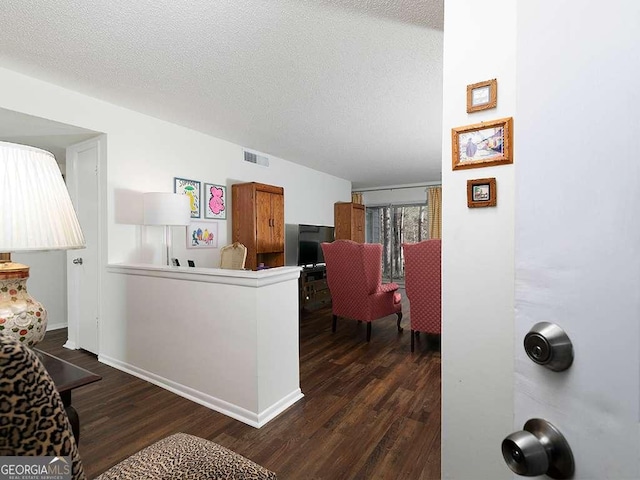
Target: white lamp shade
35	209
161	208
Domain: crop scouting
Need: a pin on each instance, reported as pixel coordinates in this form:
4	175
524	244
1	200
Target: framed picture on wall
482	192
215	198
482	95
202	235
482	144
191	188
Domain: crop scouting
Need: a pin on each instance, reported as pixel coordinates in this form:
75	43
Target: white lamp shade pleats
161	208
35	209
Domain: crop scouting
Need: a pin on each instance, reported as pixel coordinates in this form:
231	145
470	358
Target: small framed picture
215	197
191	188
482	144
482	192
482	96
202	235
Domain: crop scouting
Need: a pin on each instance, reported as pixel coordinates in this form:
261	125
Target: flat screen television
309	239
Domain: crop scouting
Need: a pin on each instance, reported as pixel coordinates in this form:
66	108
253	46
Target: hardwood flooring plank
370	411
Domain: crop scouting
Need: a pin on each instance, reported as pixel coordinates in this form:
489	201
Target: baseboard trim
56	326
280	406
229	409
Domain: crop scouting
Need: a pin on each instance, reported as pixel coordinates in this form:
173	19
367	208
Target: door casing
81	330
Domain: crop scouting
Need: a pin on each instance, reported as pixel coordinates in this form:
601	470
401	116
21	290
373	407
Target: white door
578	226
83	266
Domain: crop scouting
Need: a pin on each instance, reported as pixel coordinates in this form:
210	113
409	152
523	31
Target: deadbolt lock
548	345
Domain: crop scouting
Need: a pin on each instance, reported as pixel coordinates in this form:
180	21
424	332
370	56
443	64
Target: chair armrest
388	287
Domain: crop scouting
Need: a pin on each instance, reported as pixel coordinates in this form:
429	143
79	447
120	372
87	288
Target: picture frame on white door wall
482	192
482	95
482	144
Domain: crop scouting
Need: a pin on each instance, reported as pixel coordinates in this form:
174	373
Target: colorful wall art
191	188
215	201
202	235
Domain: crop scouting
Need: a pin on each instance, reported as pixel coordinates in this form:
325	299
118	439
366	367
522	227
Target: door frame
73	324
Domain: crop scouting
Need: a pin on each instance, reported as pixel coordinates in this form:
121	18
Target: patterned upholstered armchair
33	422
422	277
354	276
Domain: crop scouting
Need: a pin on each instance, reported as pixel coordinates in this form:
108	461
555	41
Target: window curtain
356	198
434	205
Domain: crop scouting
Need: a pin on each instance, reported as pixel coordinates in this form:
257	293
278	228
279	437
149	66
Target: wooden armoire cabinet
349	221
258	222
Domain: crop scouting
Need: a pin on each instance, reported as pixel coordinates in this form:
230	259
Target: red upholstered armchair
354	275
422	277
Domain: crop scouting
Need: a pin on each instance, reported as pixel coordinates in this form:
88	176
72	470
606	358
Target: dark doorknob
539	449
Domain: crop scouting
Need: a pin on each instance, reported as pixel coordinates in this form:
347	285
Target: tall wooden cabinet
258	222
349	221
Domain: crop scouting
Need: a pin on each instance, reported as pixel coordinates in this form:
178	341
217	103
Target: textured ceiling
352	88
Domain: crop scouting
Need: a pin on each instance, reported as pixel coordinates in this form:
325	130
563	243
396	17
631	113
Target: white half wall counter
226	339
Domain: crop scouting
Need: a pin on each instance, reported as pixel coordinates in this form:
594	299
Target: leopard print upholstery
32	417
186	457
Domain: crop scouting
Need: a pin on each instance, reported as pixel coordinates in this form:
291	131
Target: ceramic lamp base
21	316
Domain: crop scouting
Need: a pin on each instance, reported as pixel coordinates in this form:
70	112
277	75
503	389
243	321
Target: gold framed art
482	95
482	192
482	144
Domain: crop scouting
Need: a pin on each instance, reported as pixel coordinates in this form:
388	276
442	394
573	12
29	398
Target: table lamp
167	209
35	214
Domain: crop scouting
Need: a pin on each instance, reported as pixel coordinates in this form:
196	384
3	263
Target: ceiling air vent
256	158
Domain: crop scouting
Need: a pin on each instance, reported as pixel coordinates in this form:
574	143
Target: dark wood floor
370	411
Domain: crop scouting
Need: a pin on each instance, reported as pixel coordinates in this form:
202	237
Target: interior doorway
85	162
49	277
392	225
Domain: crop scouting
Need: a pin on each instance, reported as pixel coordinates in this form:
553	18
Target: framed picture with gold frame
482	95
482	192
482	144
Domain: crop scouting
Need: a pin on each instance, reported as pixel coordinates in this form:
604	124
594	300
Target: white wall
48	283
477	251
144	154
309	197
225	339
387	196
171	151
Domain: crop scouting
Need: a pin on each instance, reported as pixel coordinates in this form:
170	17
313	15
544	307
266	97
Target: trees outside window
393	225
